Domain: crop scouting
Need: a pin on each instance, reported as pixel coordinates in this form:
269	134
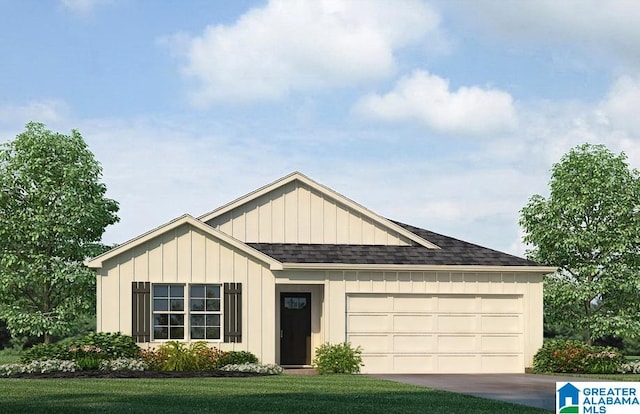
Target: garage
422	333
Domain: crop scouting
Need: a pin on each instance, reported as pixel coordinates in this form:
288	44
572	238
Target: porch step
300	371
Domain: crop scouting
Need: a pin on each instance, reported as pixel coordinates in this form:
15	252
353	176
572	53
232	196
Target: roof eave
419	267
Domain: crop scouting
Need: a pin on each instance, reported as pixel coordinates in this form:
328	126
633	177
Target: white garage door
437	333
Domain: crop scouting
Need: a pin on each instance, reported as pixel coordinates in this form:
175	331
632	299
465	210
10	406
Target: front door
295	328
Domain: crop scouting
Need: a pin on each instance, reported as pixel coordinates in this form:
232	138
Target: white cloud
298	45
45	110
83	7
428	99
622	105
608	28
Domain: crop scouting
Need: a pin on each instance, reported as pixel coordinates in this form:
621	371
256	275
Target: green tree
53	212
589	228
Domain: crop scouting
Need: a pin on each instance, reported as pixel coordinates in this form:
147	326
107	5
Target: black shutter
233	312
141	311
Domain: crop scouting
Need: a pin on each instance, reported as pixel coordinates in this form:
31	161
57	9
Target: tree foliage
53	212
590	228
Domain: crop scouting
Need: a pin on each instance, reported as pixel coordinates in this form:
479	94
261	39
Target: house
295	264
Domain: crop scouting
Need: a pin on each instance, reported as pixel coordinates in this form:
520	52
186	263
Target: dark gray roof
452	252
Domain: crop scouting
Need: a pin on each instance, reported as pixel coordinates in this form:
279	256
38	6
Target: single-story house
294	264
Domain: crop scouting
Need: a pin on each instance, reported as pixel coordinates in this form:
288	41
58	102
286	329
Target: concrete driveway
526	389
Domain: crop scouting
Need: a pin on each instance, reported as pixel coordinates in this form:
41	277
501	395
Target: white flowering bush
50	365
10	369
122	364
270	369
631	367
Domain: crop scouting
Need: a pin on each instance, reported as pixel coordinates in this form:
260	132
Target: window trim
186	312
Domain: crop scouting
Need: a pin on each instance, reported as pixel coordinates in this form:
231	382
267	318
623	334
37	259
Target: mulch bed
135	374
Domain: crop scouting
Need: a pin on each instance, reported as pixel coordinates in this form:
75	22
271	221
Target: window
170	314
204	309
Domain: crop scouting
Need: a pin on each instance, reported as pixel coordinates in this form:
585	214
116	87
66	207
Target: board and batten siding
296	213
340	284
187	255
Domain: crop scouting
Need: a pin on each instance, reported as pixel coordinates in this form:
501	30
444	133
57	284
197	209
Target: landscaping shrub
338	359
114	345
88	357
176	356
235	358
88	351
43	352
576	357
51	365
629	367
270	369
122	364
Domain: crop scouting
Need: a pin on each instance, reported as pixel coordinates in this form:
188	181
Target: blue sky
445	115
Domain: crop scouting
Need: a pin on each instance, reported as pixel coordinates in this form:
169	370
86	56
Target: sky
447	115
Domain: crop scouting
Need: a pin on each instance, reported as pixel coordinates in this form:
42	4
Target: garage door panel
381	303
457	304
500	343
501	323
413	363
458	343
413	323
413	303
412	343
370	323
373	343
457	323
458	363
377	363
501	363
501	304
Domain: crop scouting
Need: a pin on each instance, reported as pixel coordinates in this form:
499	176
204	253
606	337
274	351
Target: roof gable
97	262
296	209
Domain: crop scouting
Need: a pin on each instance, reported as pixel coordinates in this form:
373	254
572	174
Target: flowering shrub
50	365
113	344
576	357
176	356
631	367
10	369
338	359
88	351
122	364
88	357
270	369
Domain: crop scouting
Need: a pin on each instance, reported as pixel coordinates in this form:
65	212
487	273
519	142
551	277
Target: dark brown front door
295	328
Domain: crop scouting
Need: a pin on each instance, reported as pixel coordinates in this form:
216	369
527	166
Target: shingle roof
452	252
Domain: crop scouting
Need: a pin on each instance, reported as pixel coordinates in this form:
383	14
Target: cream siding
297	213
187	255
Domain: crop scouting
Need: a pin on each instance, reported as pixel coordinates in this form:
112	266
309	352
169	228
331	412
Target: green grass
313	394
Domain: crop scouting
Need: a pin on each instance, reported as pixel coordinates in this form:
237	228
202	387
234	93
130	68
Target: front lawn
325	394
